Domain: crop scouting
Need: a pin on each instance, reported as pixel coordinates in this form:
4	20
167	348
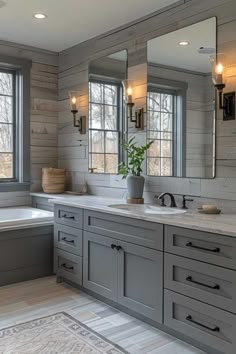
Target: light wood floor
29	300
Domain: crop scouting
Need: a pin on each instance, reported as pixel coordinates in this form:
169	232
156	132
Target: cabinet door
100	265
140	280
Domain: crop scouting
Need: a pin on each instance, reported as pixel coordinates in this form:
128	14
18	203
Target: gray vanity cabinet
100	265
140	283
128	274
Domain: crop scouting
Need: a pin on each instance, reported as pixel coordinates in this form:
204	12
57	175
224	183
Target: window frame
179	90
21	124
120	124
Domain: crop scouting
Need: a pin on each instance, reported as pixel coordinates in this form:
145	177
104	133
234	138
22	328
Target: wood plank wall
73	74
43	118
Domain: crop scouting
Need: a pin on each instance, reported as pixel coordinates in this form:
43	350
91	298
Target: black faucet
186	200
162	198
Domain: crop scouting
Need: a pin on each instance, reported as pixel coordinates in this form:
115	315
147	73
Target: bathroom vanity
180	278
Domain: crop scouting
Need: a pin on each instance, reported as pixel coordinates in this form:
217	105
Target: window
7	125
105	126
160	129
14	124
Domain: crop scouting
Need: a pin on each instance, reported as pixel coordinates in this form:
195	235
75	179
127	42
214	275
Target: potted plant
133	169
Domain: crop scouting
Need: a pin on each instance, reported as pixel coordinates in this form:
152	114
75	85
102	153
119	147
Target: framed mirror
106	112
181	102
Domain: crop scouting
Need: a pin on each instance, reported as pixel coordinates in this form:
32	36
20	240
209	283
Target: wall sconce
138	116
226	100
79	122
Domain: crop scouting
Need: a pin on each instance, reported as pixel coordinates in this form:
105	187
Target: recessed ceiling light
183	43
40	16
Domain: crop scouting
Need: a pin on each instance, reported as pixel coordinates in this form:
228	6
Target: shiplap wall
73	74
43	118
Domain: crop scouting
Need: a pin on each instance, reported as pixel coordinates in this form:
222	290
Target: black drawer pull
113	246
214	250
190	319
64	265
67	241
214	287
118	248
68	217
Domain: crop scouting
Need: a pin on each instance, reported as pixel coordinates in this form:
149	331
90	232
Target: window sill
14	186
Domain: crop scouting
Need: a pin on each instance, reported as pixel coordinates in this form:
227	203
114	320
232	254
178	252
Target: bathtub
26	244
23	217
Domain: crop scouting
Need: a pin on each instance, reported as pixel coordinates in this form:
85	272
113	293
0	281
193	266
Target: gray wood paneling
73	64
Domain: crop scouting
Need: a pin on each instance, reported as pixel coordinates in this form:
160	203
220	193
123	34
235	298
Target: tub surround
26	244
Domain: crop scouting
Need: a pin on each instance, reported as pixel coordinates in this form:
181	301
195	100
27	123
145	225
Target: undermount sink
147	209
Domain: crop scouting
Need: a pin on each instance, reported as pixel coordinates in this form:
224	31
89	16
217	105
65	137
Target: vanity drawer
211	284
68	266
204	323
69	216
68	239
202	246
142	233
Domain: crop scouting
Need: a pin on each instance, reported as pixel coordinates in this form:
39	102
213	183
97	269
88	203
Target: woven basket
53	180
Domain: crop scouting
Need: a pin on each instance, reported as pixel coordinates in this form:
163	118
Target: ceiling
69	22
165	50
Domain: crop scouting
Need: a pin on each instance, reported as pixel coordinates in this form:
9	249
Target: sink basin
147	209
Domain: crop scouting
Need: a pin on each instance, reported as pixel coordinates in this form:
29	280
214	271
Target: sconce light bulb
129	91
73	100
219	69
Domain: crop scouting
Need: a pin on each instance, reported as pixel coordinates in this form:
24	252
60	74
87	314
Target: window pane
110	118
154	100
166	136
155	150
104	108
154	167
166	122
96	94
111	142
154	120
6	84
160	127
166	169
6	109
6	138
96	141
111	163
110	94
6	166
153	135
166	103
95	116
97	162
166	148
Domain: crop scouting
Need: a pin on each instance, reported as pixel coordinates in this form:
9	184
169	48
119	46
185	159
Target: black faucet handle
186	200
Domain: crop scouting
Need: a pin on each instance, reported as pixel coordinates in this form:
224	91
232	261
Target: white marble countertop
224	224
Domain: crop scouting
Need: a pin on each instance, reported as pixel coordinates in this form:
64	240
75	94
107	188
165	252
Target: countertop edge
159	220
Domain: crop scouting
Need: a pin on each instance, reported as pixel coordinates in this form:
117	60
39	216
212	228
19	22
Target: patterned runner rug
56	334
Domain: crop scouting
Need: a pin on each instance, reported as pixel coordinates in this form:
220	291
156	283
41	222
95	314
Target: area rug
56	334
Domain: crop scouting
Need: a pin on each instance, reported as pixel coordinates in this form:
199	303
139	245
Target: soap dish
213	211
